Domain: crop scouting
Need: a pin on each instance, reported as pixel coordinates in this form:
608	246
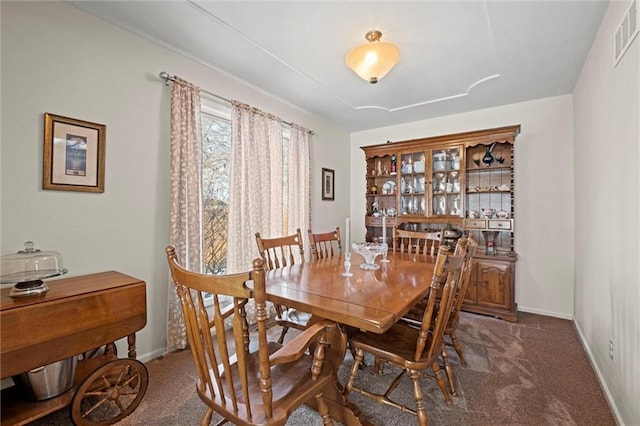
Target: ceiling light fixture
373	60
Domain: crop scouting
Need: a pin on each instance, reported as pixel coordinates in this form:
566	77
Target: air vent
626	32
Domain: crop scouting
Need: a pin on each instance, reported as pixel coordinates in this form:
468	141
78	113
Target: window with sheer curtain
233	173
216	167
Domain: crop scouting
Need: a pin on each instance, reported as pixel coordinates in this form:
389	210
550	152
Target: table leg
340	408
131	341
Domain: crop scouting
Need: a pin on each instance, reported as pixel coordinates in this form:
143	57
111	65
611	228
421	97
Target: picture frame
328	184
74	154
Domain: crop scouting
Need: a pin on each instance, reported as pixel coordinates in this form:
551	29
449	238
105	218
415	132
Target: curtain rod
167	78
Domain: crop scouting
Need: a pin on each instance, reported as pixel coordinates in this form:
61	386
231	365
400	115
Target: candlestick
347	235
347	264
384	230
347	250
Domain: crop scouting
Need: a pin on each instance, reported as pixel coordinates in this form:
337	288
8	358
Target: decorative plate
389	187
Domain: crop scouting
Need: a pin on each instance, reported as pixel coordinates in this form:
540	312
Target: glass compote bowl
369	251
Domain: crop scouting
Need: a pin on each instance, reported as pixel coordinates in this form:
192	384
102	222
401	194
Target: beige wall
544	191
607	194
58	59
577	225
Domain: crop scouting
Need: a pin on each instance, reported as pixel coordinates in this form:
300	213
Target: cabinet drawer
373	221
377	221
499	224
475	223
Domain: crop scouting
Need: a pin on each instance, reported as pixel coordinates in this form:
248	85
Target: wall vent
626	32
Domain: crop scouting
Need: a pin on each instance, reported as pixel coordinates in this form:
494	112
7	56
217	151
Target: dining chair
276	253
454	318
414	350
327	244
247	383
413	317
417	242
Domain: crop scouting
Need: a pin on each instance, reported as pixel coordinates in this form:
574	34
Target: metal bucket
47	381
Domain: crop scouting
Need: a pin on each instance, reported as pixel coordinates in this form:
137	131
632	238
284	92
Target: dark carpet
533	372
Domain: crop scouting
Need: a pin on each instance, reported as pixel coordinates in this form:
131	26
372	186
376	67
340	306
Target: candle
384	230
347	235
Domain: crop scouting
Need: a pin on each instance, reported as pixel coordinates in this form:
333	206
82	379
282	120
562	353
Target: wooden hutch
461	182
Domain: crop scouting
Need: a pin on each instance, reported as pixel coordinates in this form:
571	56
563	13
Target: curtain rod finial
166	77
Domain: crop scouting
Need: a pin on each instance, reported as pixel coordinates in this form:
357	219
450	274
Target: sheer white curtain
255	189
186	197
299	198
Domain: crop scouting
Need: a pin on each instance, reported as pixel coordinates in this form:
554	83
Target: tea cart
78	317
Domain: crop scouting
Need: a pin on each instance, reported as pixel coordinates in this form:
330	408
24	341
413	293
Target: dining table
368	300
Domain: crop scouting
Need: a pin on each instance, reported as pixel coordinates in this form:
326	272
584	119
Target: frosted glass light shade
373	60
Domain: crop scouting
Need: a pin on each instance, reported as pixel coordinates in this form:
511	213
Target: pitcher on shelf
488	157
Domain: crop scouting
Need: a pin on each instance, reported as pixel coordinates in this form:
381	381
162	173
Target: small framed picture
74	153
328	184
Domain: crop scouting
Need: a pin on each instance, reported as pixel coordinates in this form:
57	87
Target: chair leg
323	409
449	370
348	330
421	407
458	348
378	366
206	419
282	334
354	371
441	382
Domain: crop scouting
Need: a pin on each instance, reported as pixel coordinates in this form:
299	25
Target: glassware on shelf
369	251
455	210
490	241
439	161
438	182
439	205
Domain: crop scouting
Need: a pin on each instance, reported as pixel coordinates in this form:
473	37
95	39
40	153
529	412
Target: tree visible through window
216	166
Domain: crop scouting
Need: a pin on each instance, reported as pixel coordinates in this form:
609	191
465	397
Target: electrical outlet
611	348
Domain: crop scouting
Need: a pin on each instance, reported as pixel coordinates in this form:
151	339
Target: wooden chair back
276	253
446	278
467	267
417	242
281	251
327	244
414	348
243	385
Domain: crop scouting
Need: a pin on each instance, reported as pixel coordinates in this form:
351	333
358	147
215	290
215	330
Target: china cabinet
462	181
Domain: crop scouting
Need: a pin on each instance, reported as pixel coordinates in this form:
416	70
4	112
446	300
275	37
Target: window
216	167
216	164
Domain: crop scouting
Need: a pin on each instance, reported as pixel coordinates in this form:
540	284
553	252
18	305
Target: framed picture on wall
74	153
328	184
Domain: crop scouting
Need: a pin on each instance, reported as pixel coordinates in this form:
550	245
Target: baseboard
545	313
603	383
122	347
150	355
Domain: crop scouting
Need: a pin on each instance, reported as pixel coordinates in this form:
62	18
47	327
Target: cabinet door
471	295
446	181
493	285
413	183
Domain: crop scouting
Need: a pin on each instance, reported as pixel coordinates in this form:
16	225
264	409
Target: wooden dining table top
371	300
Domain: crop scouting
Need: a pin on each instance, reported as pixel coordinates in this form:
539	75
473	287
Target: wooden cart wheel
110	393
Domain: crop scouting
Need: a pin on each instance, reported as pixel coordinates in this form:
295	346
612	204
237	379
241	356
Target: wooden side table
76	315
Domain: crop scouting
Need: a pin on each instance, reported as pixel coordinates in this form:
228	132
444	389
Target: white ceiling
457	56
